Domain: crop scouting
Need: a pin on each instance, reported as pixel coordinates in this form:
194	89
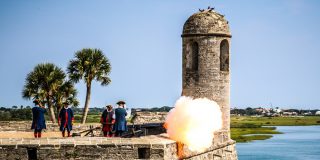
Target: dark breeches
119	133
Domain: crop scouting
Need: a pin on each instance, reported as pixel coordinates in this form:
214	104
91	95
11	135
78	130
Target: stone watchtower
206	73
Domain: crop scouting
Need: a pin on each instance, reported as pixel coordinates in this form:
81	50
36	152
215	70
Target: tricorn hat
36	101
121	102
109	106
66	102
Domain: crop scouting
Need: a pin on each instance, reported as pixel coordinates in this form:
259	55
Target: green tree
89	64
42	83
66	93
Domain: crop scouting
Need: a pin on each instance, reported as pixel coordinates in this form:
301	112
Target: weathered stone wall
226	152
149	117
149	147
26	126
209	81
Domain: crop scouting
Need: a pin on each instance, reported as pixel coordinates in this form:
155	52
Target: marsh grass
242	127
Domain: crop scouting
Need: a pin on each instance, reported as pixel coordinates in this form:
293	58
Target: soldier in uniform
66	119
120	125
107	121
38	120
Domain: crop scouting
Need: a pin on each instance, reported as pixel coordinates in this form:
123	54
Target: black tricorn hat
36	101
121	102
109	106
66	102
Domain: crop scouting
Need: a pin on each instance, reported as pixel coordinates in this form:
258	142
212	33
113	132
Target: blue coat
65	118
38	121
121	122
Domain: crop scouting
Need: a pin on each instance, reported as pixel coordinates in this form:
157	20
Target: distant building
278	110
307	113
289	113
317	113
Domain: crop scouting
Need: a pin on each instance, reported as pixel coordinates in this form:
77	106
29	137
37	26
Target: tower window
195	56
224	55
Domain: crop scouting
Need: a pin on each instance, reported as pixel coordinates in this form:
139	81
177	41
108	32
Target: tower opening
224	55
195	56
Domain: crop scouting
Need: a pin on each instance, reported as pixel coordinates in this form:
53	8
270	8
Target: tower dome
206	22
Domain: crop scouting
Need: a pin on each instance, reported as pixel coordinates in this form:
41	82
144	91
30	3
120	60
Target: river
296	143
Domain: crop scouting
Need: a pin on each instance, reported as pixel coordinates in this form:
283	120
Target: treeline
98	110
15	113
92	111
22	113
153	109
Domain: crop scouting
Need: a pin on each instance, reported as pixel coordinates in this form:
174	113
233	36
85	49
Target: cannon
88	132
134	130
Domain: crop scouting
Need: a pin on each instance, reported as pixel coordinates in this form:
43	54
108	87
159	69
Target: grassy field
90	118
243	134
276	121
242	127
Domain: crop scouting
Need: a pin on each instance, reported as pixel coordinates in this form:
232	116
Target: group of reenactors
113	121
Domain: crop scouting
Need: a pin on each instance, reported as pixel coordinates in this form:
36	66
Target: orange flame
193	121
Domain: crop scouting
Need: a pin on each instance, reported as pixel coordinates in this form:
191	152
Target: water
297	143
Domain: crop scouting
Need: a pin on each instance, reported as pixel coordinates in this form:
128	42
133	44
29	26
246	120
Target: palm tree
89	64
66	93
42	83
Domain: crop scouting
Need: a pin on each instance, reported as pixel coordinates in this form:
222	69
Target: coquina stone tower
206	54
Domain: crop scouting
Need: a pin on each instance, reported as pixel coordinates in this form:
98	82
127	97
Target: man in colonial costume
38	121
66	119
107	121
120	125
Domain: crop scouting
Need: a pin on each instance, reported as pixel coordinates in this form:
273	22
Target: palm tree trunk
86	105
58	111
51	109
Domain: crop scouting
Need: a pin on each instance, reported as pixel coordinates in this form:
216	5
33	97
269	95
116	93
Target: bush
5	116
16	114
245	125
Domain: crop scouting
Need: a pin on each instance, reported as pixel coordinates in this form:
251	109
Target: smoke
193	122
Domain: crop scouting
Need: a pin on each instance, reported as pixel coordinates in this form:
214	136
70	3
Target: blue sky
274	51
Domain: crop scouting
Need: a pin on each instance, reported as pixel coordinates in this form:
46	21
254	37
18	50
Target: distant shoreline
247	128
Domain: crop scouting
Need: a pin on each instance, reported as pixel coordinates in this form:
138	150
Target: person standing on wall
120	125
38	120
66	119
107	121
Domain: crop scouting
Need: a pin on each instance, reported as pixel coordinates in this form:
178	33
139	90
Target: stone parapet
26	126
149	117
148	147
